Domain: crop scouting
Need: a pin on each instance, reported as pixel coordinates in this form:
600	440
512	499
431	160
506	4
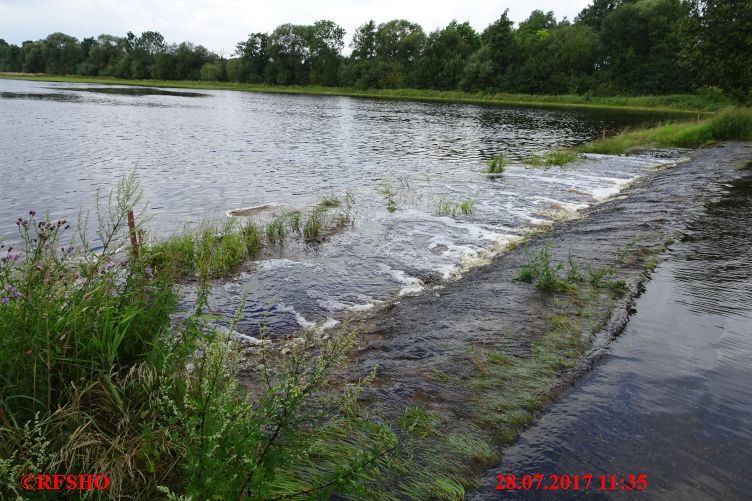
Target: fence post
132	230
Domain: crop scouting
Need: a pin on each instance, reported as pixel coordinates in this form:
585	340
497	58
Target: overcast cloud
220	24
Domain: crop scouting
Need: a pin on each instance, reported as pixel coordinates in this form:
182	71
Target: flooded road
673	398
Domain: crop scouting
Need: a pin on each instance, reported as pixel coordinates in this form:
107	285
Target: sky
220	24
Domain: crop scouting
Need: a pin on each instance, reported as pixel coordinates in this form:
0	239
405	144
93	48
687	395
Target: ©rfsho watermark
64	482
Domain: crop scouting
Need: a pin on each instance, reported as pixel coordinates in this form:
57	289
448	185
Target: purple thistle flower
18	294
5	300
149	272
77	276
109	266
9	288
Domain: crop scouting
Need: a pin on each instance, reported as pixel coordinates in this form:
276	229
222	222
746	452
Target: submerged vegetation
446	207
558	158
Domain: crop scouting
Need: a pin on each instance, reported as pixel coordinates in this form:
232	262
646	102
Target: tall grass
728	124
96	377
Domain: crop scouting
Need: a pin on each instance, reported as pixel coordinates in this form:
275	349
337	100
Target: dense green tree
641	47
253	57
445	53
325	43
289	55
61	54
10	57
487	67
717	45
612	47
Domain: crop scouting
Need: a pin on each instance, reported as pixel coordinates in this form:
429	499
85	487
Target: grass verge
728	124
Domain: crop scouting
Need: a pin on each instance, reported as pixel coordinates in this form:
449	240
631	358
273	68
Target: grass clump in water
496	165
448	207
330	202
218	250
314	225
728	124
175	255
275	230
389	196
252	238
558	158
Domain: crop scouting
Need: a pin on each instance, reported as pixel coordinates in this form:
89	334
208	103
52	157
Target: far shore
675	103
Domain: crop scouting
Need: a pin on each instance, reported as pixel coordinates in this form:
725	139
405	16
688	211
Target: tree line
612	47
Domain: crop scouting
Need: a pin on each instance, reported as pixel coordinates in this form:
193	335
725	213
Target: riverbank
679	104
478	358
728	125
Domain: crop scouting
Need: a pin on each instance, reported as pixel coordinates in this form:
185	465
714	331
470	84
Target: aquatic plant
313	225
558	157
275	230
496	165
389	195
330	201
218	250
445	207
294	219
466	207
252	238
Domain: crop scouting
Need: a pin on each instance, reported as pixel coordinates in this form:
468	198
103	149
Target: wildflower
77	276
149	272
9	288
5	300
109	266
17	294
32	212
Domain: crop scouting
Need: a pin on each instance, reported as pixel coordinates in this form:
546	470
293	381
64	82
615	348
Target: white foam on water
617	185
413	285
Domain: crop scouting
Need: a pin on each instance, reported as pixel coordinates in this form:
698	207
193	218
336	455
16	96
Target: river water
200	154
672	399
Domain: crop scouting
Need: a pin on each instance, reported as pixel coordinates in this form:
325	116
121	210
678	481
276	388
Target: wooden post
604	134
132	230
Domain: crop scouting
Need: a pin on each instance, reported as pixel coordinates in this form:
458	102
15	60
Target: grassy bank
728	124
681	103
96	377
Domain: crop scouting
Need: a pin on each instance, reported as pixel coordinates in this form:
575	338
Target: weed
545	273
466	207
330	202
275	230
252	238
444	207
496	165
294	219
558	157
313	225
389	195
